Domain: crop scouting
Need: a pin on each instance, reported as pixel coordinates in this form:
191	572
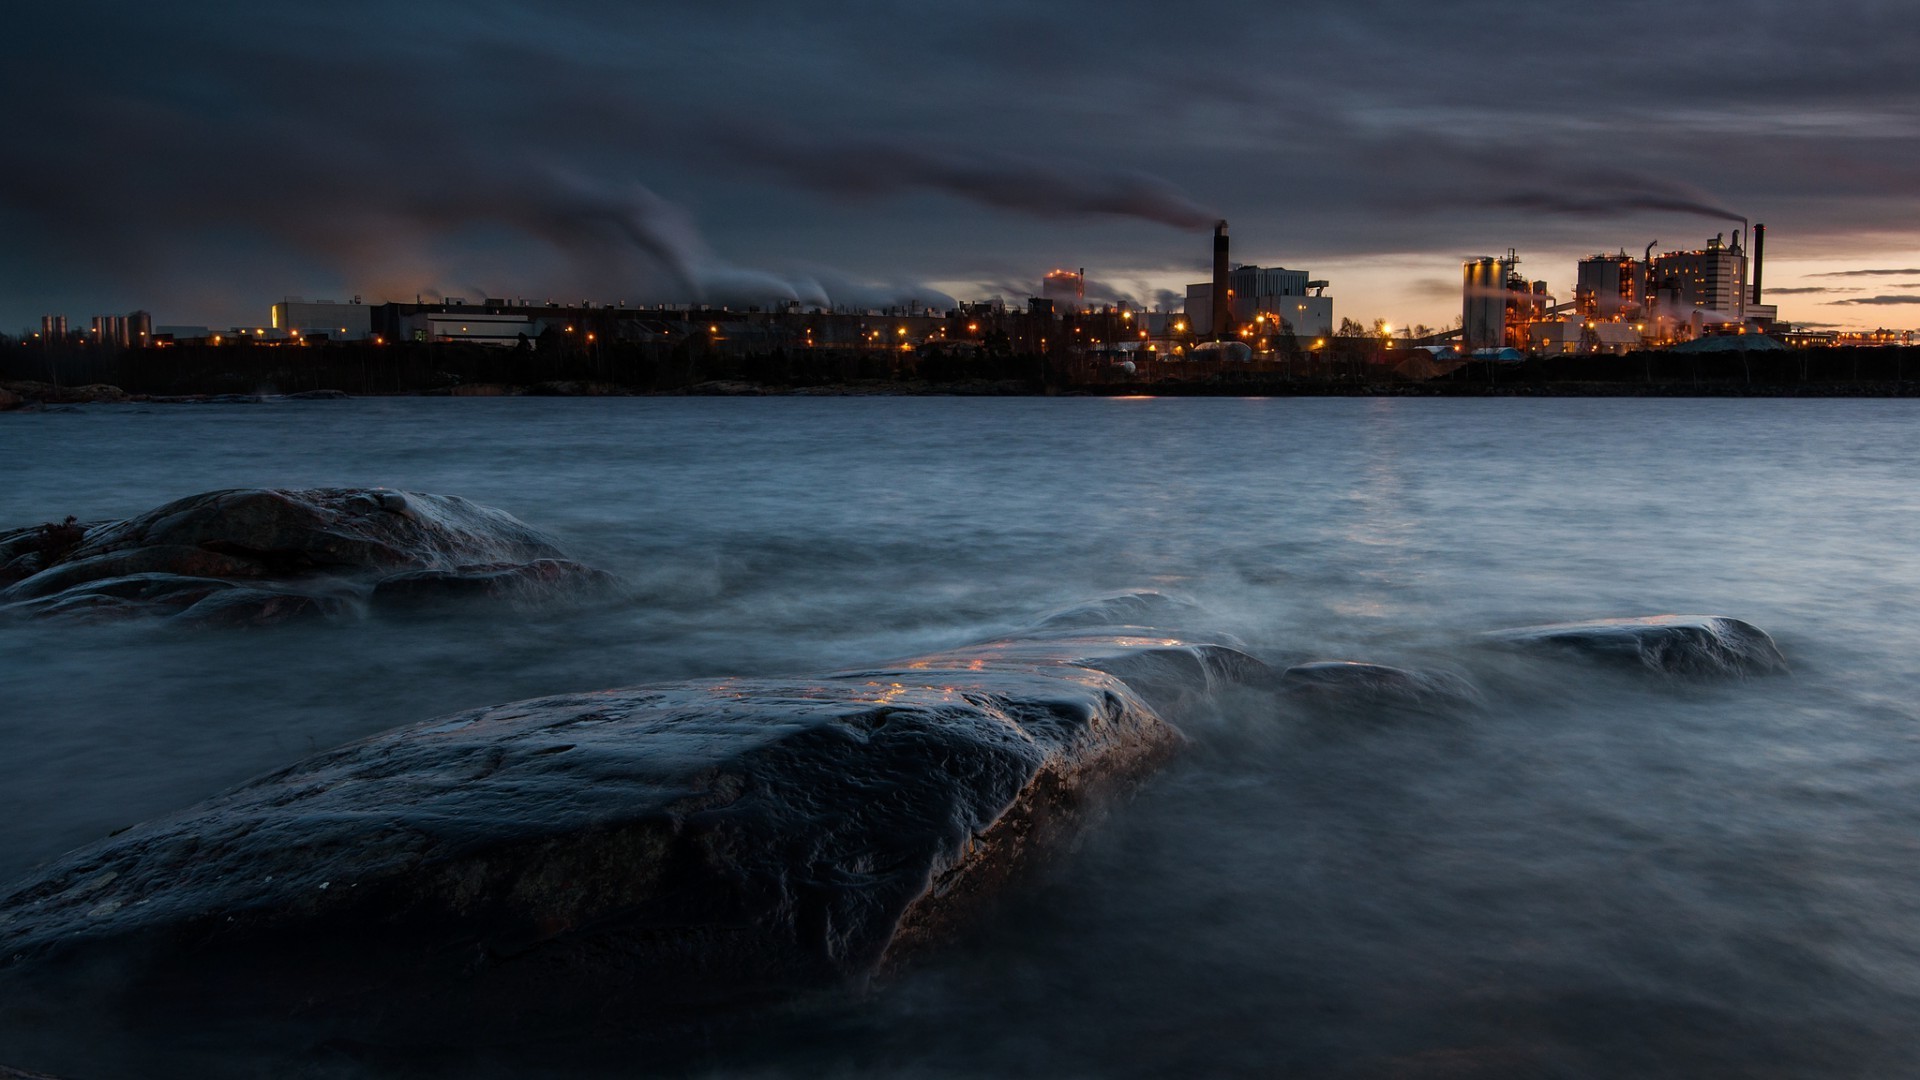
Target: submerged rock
540	580
1345	680
605	861
281	554
1700	645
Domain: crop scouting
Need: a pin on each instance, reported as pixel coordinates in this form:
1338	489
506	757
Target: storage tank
1483	303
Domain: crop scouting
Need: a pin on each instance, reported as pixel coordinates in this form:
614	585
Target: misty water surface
1599	874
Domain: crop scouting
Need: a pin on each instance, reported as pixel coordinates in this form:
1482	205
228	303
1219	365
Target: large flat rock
625	858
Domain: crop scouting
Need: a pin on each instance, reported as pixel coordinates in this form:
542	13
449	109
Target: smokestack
1759	251
1221	312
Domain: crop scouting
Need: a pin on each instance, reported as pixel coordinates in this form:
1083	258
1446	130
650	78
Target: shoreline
32	397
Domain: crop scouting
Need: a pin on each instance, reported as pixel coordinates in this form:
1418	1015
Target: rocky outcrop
628	858
1347	681
257	556
1692	645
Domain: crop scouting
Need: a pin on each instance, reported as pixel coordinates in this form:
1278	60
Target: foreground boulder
253	556
617	861
1696	645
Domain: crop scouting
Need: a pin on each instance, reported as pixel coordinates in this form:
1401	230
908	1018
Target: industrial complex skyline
204	159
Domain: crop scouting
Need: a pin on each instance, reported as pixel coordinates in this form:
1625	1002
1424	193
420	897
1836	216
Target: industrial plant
1619	303
1245	322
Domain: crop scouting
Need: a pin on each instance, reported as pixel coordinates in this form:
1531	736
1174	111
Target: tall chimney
1221	312
1759	251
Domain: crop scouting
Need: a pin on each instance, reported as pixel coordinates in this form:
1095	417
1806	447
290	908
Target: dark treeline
1774	368
1857	371
367	368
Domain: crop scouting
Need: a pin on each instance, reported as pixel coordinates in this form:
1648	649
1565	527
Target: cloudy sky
203	160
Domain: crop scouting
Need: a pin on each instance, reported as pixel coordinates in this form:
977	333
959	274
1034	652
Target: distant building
1066	288
1576	334
1257	295
122	331
323	319
1712	279
479	327
1605	286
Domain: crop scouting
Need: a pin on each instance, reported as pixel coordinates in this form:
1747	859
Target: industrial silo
1483	304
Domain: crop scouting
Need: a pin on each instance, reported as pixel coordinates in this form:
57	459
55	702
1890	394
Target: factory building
1573	334
122	331
1712	279
328	319
1067	289
1606	286
1619	302
1498	305
1257	300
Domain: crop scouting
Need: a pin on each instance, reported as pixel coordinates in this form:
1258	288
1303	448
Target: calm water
1597	875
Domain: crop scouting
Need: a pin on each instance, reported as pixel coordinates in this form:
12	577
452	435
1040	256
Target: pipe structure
1221	312
1759	252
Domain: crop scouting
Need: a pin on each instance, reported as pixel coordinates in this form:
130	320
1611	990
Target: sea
1599	872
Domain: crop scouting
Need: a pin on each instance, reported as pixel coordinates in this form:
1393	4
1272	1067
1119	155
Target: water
1599	874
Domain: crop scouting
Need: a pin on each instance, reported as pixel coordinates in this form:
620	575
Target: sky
204	160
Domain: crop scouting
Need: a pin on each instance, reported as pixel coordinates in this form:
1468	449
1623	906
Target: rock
25	552
1345	680
626	860
49	394
535	582
318	395
330	546
10	400
1145	608
1697	645
238	606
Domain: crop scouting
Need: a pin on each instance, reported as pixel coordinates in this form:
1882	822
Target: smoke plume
865	168
1607	204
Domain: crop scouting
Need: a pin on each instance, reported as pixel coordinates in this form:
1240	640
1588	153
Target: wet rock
1349	681
10	400
273	548
1695	645
1146	608
318	395
539	581
25	552
239	606
621	860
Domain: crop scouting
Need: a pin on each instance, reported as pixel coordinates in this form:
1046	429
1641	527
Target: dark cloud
1879	301
212	156
868	167
1802	290
1867	273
